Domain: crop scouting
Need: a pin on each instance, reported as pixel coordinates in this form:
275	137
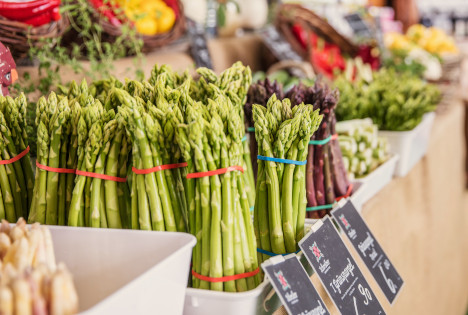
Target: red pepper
365	52
107	10
300	35
35	12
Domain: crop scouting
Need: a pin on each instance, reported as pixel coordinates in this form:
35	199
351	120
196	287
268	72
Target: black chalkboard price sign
368	249
198	44
293	285
359	26
338	272
280	48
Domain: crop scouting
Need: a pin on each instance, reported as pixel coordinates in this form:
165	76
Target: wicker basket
19	37
149	42
289	14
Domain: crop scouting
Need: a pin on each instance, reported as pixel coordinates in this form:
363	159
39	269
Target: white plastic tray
259	301
411	145
125	271
374	182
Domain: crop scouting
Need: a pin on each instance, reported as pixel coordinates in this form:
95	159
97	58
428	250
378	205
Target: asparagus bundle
98	198
363	151
53	132
16	177
282	133
30	280
219	213
157	196
234	82
326	175
259	93
393	101
77	139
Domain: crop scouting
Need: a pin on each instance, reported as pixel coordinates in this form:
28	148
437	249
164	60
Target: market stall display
31	280
165	191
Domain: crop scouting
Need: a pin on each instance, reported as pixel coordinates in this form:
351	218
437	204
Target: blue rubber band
285	161
320	142
244	138
262	251
318	208
324	141
251	129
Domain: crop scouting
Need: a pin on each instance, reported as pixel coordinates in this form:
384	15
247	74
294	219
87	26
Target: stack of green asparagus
76	132
219	213
393	101
363	150
157	197
280	206
235	83
53	134
16	179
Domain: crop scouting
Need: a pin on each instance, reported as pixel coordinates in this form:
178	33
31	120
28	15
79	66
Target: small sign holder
352	224
293	285
338	271
198	44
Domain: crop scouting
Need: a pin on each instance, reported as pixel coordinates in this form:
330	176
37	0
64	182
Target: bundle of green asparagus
259	93
363	150
219	212
234	82
81	166
283	134
16	174
30	280
393	101
157	190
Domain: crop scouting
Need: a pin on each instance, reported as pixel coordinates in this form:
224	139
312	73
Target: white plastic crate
259	301
411	145
374	182
125	271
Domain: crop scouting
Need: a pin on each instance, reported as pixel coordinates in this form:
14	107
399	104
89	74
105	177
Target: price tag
369	249
293	285
359	26
280	48
337	270
198	44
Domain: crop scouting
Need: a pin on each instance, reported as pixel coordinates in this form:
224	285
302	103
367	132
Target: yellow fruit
146	26
165	17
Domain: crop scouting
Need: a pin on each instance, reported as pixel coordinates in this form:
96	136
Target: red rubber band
16	158
334	137
102	176
158	168
226	278
348	193
216	172
55	169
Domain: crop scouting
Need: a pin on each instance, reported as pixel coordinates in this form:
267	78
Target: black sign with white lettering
293	286
338	271
280	48
359	26
369	249
198	44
